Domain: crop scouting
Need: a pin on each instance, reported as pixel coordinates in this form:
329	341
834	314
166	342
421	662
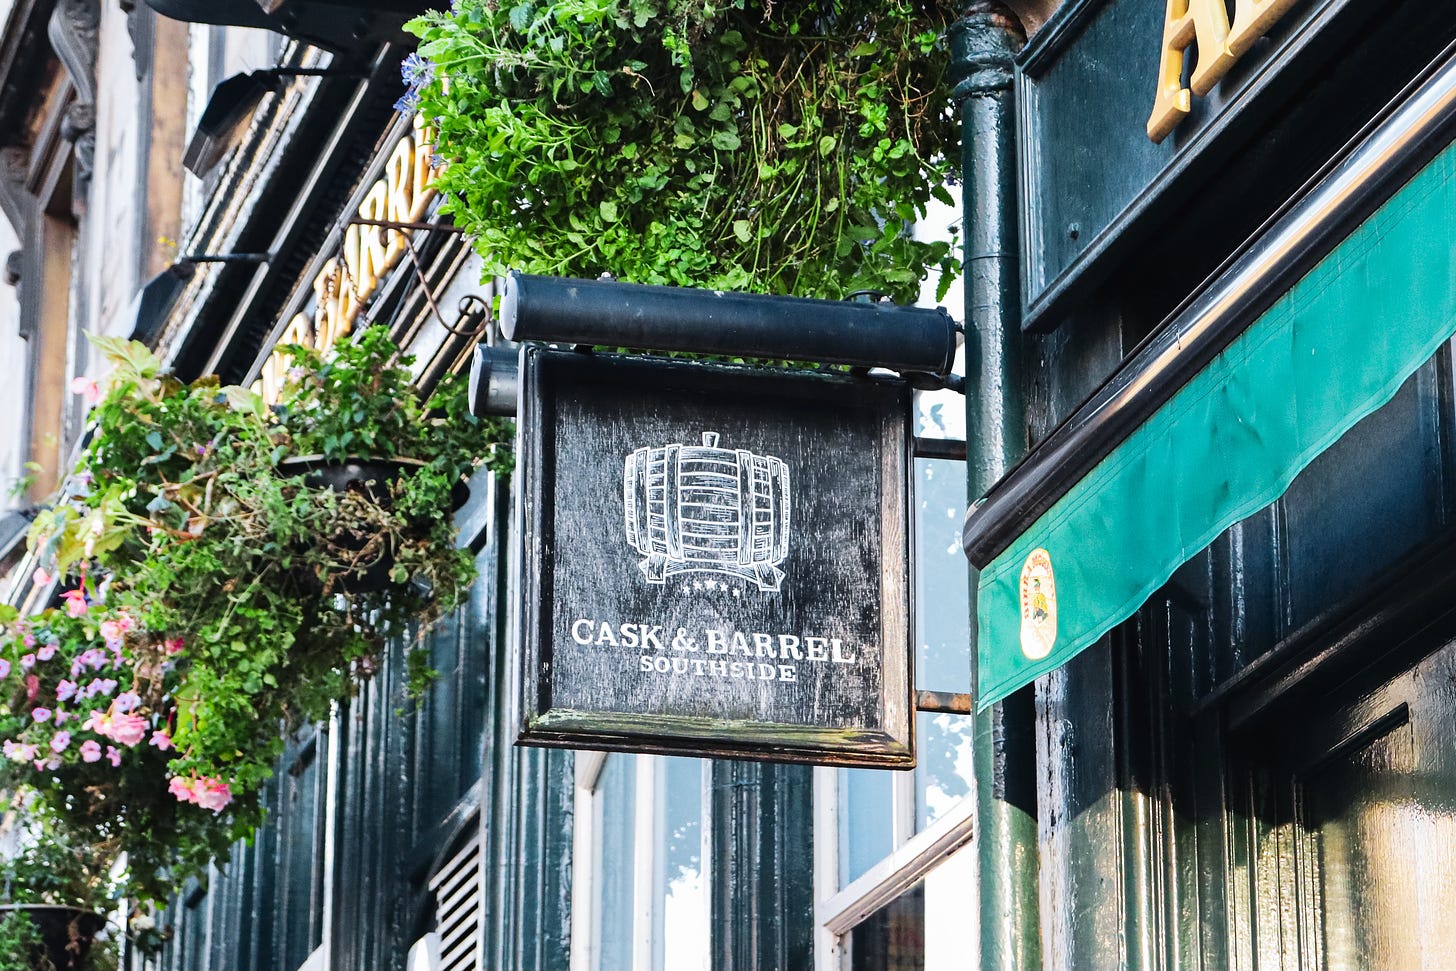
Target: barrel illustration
701	508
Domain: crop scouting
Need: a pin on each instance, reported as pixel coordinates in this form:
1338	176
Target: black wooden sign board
714	560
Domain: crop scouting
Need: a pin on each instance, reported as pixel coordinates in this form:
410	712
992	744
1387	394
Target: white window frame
837	911
648	841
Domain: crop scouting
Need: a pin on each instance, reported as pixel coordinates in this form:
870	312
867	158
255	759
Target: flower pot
372	478
66	933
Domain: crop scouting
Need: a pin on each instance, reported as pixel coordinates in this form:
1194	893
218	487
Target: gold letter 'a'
1252	20
1205	21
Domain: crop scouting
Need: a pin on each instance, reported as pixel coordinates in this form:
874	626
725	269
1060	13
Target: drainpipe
983	44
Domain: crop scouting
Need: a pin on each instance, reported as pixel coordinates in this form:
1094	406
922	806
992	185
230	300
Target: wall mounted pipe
605	312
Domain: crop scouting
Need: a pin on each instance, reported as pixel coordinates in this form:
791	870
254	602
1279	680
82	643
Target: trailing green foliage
55	868
778	147
225	594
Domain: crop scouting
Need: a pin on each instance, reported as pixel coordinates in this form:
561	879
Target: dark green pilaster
763	867
983	43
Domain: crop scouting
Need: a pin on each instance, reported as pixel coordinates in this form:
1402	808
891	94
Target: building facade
1208	377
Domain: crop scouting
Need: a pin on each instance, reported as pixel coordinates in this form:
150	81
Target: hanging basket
66	933
371	477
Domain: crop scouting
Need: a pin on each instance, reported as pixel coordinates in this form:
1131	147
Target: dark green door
1354	862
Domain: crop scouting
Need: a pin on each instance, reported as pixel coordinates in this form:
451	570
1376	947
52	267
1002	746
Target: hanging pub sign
714	560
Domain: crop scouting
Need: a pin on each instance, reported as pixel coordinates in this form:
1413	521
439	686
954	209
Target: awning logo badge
1038	605
701	508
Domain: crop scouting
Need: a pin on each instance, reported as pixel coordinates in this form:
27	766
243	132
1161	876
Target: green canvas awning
1060	565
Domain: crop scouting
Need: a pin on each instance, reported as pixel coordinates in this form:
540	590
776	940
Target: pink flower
172	645
65	691
90	658
4	668
75	603
47	651
113	756
118	726
90	751
205	791
112	632
161	740
40	577
100	686
28	661
32	687
41	715
127	701
215	795
87	389
62	716
19	751
60	742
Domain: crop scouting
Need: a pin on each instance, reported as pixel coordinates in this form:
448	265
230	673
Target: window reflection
612	927
866	820
680	932
943	771
924	929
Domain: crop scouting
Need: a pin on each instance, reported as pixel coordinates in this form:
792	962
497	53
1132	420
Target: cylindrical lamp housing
494	380
567	311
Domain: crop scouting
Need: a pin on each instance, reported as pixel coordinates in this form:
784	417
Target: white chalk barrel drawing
701	508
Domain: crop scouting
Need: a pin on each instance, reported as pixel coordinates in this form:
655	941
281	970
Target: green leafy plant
55	890
776	147
227	590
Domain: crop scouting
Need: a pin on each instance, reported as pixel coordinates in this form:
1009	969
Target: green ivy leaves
733	144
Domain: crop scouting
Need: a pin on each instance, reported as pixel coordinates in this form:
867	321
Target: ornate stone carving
73	30
143	39
79	128
14	164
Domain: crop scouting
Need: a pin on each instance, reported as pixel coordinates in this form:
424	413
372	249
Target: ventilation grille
457	908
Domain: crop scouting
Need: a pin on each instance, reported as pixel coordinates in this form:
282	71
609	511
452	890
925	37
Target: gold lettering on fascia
1220	44
348	280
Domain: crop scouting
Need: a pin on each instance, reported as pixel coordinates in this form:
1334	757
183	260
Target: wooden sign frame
713	560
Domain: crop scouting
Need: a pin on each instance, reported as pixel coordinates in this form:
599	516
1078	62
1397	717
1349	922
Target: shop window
879	902
640	888
923	929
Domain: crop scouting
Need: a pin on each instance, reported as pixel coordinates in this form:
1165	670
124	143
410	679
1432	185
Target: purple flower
127	701
47	651
60	742
100	686
28	661
41	714
416	71
65	691
4	668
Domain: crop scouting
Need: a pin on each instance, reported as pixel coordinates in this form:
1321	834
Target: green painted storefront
1241	457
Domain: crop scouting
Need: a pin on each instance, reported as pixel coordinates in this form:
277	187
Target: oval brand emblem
1038	605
